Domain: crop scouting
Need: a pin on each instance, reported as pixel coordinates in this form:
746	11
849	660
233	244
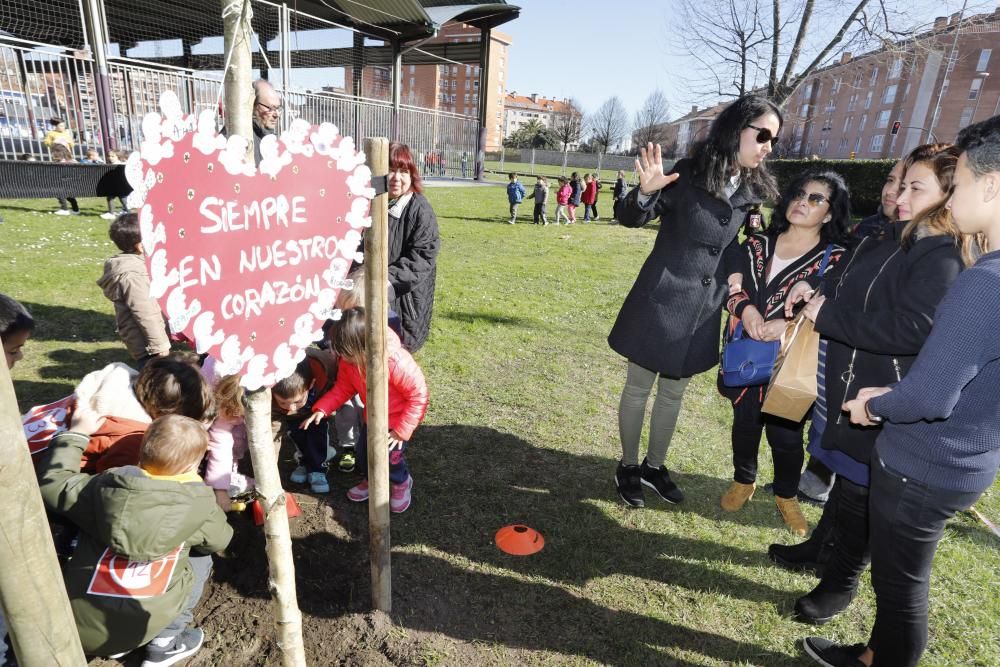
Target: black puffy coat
876	318
672	317
414	243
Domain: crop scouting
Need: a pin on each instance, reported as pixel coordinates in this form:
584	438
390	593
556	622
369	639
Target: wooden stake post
281	568
39	618
377	400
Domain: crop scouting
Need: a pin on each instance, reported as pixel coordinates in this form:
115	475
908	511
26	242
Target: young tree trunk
238	96
281	567
238	91
377	400
39	619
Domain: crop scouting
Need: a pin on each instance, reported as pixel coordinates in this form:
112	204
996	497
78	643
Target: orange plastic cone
519	540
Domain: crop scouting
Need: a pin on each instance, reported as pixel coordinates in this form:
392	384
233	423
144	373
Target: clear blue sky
592	49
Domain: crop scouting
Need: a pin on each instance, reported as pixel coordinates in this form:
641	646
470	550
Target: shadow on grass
75	364
490	318
469	481
62	322
30	393
503	479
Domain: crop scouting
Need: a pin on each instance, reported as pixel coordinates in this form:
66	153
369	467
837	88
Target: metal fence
40	81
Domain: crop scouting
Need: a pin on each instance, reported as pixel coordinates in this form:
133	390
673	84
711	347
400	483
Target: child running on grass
408	400
562	199
515	195
541	196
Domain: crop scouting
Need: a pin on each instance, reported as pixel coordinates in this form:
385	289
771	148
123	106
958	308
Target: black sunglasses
764	135
814	199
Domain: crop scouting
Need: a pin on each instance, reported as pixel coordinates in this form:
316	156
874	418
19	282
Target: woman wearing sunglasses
669	325
810	225
875	319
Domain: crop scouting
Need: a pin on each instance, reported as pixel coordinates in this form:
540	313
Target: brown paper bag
792	389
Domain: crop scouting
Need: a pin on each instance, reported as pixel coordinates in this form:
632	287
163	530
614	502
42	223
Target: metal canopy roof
405	20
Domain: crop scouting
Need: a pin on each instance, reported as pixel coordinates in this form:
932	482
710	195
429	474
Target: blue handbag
747	362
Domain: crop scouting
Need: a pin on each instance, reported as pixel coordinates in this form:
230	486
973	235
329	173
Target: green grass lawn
522	428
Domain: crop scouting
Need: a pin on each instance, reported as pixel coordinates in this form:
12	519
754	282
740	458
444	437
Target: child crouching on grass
291	406
227	444
146	539
407	401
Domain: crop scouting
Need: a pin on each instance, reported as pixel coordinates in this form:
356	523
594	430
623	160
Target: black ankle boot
819	606
803	557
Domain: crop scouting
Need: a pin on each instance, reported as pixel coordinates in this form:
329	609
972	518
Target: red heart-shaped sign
247	262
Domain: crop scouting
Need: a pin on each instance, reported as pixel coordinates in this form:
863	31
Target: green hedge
864	178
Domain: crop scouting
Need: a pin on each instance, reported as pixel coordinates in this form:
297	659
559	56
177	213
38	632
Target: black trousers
907	521
850	529
783	436
538	214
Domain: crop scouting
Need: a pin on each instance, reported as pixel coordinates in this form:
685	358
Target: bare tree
609	124
650	122
771	46
569	125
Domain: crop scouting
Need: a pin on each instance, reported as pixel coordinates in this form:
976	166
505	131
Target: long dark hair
835	231
716	157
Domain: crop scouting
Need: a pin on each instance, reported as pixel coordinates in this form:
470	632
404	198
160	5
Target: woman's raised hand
649	166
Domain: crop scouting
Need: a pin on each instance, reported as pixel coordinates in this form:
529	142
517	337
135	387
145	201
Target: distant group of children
569	195
151	460
60	142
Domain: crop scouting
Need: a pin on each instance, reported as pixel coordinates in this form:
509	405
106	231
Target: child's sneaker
399	496
62	211
299	475
359	493
184	645
108	216
346	462
318	483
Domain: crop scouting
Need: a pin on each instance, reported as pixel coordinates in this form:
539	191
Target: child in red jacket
407	401
589	198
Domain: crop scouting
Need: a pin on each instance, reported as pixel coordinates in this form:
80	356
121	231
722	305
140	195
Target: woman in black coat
669	325
875	319
414	242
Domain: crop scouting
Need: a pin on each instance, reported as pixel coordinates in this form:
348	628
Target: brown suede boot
792	514
736	496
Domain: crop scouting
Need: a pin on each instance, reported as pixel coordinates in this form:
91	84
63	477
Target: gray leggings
632	413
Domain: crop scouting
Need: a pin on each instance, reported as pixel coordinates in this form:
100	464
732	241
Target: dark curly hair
837	229
716	159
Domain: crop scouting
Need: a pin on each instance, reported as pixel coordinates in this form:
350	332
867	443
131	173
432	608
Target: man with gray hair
266	111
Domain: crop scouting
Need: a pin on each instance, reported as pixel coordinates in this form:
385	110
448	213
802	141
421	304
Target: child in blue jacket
515	195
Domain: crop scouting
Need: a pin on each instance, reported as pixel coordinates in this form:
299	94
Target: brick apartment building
448	86
850	107
520	110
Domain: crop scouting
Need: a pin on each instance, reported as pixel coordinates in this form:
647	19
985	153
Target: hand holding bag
745	361
792	389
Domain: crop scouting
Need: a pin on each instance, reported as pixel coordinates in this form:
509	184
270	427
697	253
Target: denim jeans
398	470
907	521
201	566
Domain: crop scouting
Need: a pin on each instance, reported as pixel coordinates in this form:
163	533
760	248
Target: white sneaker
108	216
74	213
62	211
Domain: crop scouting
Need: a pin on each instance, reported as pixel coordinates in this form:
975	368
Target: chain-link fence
324	71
